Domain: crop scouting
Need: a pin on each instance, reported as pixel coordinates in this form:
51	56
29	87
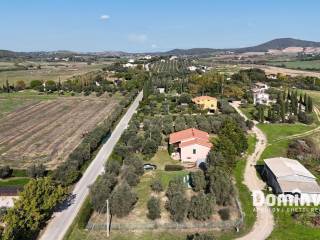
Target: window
194	151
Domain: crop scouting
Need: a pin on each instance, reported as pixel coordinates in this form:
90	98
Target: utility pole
108	219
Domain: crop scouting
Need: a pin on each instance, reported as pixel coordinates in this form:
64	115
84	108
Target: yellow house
206	102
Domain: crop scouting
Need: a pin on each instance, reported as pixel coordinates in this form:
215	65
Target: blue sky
152	25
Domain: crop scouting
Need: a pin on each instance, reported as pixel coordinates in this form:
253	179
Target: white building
173	58
259	93
161	90
129	65
192	68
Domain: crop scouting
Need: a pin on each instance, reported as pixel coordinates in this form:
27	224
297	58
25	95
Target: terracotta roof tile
188	134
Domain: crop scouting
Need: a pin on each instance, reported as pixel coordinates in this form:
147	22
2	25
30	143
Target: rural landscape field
47	131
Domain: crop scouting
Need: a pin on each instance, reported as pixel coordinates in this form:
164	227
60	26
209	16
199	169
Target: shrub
35	84
131	177
178	205
224	213
101	190
156	186
220	185
5	172
85	214
197	181
198	236
154	211
201	207
36	171
305	118
135	162
122	200
173	167
113	166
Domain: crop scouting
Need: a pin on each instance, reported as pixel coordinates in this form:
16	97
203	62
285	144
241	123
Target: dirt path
263	226
307	133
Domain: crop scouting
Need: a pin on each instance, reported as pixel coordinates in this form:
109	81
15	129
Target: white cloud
138	38
154	46
104	17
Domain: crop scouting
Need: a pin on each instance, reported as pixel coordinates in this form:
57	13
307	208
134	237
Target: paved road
263	226
61	221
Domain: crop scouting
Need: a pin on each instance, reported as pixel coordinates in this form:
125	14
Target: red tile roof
198	141
188	134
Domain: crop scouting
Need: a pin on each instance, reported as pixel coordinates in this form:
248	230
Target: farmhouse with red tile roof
191	145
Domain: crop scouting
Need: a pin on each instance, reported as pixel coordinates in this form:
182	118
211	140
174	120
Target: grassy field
276	132
15	181
303	65
244	193
315	96
276	135
12	101
48	71
286	227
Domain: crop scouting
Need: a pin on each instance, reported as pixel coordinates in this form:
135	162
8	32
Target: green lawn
304	65
15	181
244	193
275	132
12	101
314	94
248	111
287	227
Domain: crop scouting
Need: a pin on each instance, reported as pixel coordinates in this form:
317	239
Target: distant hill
276	44
279	44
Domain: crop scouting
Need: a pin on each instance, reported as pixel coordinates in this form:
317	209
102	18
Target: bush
220	185
154	211
85	214
178	206
197	181
305	118
173	167
101	190
131	177
113	166
34	84
123	200
292	119
224	213
156	186
201	206
36	171
5	172
198	236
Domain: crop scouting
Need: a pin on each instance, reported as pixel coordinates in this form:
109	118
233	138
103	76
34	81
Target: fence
221	225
